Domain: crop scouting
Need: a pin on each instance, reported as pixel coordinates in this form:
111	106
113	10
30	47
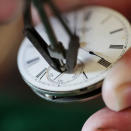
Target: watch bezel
84	94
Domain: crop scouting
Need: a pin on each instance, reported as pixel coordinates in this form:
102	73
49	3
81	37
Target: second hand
91	53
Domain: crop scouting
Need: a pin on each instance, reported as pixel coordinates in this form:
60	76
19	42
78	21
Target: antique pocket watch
104	36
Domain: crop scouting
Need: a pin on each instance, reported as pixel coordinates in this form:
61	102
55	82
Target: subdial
64	78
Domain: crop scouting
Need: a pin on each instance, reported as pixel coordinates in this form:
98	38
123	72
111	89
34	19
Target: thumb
117	86
107	120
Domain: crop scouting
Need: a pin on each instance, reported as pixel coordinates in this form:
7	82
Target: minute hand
92	53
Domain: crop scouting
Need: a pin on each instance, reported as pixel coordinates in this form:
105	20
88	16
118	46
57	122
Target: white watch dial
104	38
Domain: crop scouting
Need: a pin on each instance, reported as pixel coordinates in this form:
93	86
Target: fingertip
117	85
107	120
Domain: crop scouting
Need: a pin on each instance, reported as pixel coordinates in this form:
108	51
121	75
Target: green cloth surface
18	115
22	110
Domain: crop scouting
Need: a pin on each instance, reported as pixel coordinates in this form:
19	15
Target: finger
117	86
9	9
121	5
65	5
107	120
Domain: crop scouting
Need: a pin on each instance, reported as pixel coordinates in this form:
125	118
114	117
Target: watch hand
85	75
102	61
91	53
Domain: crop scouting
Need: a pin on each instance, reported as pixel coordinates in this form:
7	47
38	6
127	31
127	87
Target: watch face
104	38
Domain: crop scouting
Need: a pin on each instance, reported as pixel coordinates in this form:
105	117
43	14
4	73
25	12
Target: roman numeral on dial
116	46
106	19
88	15
116	31
104	62
58	76
85	75
33	61
41	74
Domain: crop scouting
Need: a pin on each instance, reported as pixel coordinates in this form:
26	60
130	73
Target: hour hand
93	53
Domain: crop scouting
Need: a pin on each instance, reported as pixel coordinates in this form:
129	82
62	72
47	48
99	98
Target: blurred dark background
22	110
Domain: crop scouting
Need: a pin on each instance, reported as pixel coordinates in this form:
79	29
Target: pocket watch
104	36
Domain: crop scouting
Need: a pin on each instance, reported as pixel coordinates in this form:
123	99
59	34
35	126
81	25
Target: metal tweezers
54	53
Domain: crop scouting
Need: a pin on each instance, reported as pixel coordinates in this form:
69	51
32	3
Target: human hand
116	89
11	26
